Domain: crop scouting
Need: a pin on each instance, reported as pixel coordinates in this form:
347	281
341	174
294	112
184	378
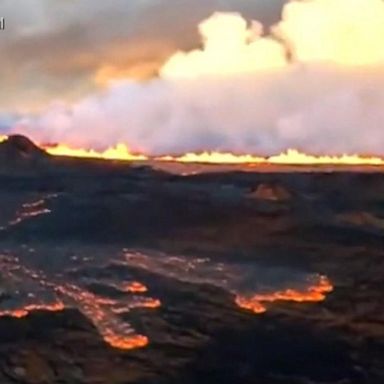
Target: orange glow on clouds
345	32
108	74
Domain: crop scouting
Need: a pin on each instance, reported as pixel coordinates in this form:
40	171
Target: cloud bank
55	47
314	83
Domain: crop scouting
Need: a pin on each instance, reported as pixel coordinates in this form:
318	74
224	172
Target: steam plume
315	83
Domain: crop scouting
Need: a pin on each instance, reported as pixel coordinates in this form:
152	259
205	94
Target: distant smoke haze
315	84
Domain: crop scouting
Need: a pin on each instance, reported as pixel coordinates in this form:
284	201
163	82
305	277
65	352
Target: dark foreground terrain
97	254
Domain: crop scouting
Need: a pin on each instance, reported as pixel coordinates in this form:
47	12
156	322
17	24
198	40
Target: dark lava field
114	273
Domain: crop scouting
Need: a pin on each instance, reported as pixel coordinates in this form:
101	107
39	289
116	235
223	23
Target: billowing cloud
346	32
245	91
230	47
54	48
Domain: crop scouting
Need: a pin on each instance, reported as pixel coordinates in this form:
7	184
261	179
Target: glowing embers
27	287
253	286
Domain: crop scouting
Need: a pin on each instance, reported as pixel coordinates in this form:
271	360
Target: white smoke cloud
240	92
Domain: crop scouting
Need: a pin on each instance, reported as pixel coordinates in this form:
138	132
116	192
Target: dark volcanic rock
271	192
326	223
19	151
29	367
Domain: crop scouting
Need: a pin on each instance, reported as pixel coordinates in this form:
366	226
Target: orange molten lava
151	303
19	313
136	341
314	293
134	287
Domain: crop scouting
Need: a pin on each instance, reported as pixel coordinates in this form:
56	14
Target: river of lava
253	287
27	289
35	291
313	293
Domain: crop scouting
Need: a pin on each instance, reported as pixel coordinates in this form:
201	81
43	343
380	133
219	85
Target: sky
170	77
64	48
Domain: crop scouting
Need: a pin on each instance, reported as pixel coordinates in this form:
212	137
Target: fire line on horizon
121	152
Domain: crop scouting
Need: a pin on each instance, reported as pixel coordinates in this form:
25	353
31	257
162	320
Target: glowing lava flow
134	287
240	280
33	290
31	209
314	293
100	310
19	313
115	332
